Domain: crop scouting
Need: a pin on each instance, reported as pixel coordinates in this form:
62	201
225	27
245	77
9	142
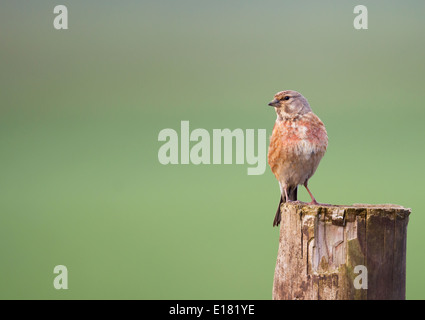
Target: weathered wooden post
341	252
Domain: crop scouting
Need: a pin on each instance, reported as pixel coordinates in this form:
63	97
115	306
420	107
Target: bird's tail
292	195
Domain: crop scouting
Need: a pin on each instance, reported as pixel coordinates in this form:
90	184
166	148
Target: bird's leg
313	201
286	194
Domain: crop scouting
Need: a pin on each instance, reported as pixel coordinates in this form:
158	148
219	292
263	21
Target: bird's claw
315	203
294	201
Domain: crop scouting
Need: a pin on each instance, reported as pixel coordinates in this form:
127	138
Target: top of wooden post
345	213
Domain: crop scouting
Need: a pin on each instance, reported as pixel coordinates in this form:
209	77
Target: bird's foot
295	201
315	203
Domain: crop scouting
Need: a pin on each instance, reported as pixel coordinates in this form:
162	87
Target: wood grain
320	246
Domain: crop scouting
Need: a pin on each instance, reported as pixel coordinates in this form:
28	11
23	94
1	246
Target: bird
298	142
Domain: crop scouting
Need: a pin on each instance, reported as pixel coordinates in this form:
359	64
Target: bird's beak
273	103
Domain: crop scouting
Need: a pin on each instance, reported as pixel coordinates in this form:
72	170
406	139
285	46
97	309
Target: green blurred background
81	109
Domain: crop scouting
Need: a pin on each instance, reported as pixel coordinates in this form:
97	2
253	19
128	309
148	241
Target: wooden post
336	252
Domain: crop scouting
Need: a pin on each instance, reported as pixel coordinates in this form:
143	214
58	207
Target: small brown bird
297	144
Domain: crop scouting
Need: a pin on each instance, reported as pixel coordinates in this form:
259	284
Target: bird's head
290	103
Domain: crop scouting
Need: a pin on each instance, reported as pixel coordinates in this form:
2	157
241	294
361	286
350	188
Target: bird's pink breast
296	146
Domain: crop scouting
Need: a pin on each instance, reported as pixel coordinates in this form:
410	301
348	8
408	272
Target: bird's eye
287	98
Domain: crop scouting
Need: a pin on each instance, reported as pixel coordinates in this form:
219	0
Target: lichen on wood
320	247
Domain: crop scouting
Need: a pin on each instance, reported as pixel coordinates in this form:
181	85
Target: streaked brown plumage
297	144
